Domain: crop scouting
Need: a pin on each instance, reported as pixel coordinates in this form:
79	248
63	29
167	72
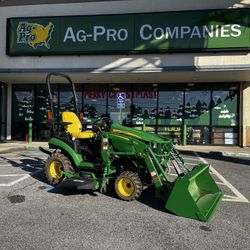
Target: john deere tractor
115	156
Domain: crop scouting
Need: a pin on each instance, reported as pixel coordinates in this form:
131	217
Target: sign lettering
153	32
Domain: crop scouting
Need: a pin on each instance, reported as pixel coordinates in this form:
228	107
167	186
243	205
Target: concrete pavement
19	145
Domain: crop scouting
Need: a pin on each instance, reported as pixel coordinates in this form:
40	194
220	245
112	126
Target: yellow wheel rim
55	169
126	186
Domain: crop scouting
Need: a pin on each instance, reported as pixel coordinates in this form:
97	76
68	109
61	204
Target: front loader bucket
195	195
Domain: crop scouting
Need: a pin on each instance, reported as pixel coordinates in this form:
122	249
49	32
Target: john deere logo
34	34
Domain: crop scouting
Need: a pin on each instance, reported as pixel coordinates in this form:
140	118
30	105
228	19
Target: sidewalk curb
19	148
9	150
234	154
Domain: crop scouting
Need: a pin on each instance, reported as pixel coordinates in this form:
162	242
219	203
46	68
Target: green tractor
115	156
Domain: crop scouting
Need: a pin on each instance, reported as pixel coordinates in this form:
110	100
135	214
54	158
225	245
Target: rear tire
54	167
128	186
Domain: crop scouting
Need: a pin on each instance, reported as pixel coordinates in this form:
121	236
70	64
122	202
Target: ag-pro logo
34	34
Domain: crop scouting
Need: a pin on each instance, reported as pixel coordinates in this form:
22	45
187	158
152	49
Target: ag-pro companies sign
154	32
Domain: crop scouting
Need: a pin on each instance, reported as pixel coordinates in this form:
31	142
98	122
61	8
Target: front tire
128	186
55	165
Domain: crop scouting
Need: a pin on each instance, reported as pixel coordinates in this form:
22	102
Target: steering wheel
101	124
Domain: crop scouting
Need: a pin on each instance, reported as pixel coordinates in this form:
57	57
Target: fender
66	148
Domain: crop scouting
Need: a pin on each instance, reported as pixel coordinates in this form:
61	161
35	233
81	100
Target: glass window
22	110
225	106
197	107
3	103
144	107
66	99
170	107
171	132
119	115
42	130
198	135
3	110
94	101
225	135
23	103
42	106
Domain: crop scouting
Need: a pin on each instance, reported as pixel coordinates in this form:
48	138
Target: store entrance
3	111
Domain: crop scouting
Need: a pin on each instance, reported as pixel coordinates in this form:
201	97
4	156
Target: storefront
184	72
210	111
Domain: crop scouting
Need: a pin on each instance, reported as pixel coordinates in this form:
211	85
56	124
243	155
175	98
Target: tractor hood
137	134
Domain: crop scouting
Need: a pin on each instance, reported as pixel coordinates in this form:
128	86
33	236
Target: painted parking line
189	158
238	196
11	175
24	177
6	165
15	181
191	164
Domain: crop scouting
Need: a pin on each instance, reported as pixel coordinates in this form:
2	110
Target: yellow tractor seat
74	126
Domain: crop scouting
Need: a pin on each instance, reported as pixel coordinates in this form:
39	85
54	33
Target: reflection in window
170	107
224	107
94	102
197	107
23	104
144	107
42	130
22	110
116	114
67	100
42	104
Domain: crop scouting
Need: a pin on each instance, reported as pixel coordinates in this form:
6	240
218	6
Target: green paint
195	195
169	31
30	132
57	143
184	135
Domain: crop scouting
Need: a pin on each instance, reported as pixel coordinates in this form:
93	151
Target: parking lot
34	215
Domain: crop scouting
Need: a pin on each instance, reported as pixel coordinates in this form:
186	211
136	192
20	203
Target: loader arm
193	194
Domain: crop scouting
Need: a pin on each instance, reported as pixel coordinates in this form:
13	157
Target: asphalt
230	151
34	215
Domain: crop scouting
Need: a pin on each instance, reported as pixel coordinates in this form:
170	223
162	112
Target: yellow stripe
126	133
121	137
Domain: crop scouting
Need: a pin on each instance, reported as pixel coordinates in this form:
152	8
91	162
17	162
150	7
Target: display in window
225	135
171	132
170	107
43	105
224	108
198	135
116	114
94	103
144	108
197	107
23	106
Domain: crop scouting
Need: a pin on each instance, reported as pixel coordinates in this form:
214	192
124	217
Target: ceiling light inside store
233	88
